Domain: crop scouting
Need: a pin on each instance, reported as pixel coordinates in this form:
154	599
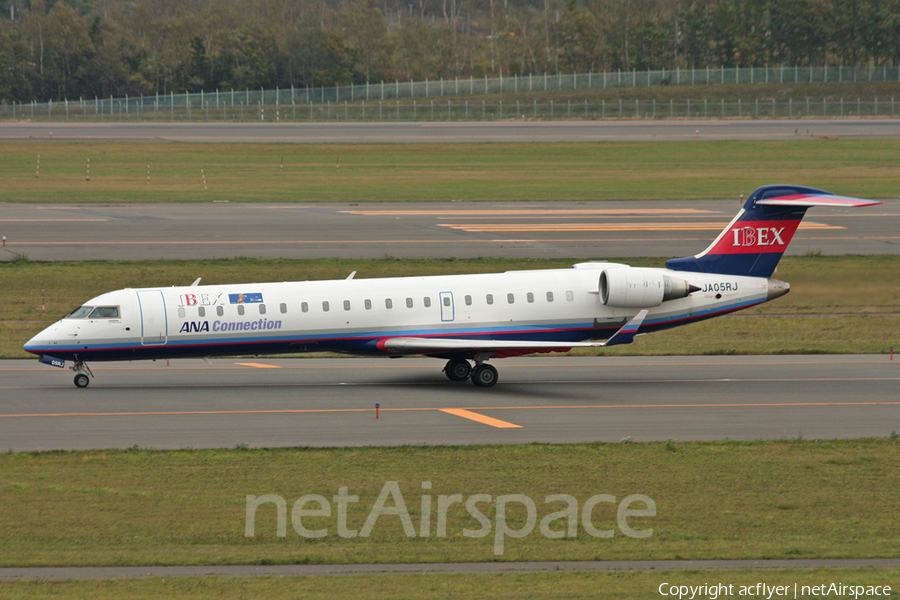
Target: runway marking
258	365
467	414
473	228
259	242
540	212
292	411
629	215
611	240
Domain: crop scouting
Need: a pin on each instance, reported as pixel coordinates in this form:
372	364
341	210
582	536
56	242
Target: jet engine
631	287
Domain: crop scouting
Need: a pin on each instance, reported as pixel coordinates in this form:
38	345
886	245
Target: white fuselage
355	315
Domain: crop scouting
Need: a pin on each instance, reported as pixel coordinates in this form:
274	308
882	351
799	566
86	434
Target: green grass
635	585
442	172
784	499
858	294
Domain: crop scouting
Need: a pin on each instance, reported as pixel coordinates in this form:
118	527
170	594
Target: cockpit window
80	313
105	312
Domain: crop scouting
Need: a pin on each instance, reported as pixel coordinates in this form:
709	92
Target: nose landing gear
81	374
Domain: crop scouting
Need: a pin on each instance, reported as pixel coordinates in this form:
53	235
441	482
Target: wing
431	345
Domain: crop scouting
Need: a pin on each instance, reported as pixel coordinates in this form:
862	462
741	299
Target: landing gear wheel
484	375
458	369
81	373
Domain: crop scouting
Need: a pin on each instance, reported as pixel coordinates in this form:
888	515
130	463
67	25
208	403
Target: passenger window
530	297
569	295
489	298
446	300
468	300
240	309
549	296
262	309
346	305
388	303
283	308
368	304
220	310
511	298
325	306
180	312
304	307
201	312
427	301
409	303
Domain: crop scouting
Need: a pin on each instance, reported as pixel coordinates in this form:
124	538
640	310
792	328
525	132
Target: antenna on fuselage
196	282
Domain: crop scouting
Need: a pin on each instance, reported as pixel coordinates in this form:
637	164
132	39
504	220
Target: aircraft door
154	322
448	311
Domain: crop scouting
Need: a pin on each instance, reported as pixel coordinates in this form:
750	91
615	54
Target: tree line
55	49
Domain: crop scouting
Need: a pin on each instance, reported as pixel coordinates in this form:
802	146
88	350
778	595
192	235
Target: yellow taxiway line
468	414
530	227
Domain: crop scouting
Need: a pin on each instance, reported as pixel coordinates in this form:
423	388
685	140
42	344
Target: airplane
463	319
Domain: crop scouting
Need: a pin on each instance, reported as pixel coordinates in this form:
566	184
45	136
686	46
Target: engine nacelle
640	288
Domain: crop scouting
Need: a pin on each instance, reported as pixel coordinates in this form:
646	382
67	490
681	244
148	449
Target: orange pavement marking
607	226
467	414
542	212
453	411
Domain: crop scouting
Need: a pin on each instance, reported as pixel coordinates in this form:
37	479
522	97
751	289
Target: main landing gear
483	375
81	374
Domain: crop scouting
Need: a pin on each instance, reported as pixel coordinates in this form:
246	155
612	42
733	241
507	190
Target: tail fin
752	244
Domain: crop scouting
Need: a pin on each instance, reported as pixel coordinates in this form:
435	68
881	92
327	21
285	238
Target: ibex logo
758	236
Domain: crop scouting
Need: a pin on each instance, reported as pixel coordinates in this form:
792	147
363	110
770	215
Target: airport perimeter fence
440	100
460	110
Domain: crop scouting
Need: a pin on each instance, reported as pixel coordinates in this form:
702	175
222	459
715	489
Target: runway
579	230
268	402
453	132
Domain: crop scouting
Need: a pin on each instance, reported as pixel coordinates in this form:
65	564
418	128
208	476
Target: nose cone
34	344
42	342
777	289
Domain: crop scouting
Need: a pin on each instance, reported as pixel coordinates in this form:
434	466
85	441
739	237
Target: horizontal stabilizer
817	200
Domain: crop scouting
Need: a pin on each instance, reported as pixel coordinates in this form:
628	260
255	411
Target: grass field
634	585
837	304
713	500
443	172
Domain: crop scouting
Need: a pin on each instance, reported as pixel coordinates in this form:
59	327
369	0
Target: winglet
630	329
